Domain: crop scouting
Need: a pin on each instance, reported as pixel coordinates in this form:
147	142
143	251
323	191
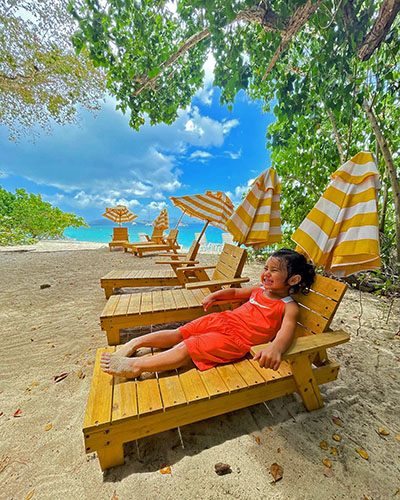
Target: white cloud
234	156
200	154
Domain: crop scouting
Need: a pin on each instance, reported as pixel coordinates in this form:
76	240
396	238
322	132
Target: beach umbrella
119	214
214	207
161	222
257	220
341	231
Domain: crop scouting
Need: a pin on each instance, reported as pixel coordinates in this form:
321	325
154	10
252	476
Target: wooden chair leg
111	456
306	384
108	290
113	336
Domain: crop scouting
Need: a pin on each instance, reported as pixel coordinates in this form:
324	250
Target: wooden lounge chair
168	245
149	277
121	410
165	306
157	237
120	237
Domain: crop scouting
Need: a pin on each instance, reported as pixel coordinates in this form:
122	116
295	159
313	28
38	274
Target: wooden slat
171	390
266	373
98	409
169	302
147	303
231	377
248	372
110	306
148	396
191	299
314	322
213	382
123	305
192	384
124	401
318	303
327	286
158	302
135	303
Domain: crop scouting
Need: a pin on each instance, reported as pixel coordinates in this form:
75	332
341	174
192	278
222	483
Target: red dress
227	336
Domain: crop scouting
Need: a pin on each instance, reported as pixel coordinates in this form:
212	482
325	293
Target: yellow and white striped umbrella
119	214
341	231
257	220
213	206
161	222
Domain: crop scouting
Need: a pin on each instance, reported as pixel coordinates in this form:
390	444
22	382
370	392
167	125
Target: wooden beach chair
120	237
165	306
152	277
157	237
170	244
120	410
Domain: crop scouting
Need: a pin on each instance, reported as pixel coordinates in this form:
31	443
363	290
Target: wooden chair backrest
120	233
193	250
318	307
230	263
173	234
157	234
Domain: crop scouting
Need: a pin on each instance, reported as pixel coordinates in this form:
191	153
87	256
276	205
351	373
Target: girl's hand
208	302
270	357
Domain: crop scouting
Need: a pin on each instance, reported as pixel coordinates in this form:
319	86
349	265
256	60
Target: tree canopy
26	218
332	67
41	76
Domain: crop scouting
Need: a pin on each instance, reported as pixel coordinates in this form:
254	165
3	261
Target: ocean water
102	233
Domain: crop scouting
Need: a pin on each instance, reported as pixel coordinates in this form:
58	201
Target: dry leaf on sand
30	495
336	437
58	378
276	471
337	421
323	445
48	427
362	453
383	431
327	463
166	469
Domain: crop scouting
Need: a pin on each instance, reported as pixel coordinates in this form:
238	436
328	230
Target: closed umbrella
257	220
341	231
161	222
119	214
214	207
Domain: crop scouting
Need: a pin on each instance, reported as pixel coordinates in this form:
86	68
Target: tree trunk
390	168
338	137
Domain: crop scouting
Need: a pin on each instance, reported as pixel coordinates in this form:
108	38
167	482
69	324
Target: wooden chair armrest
309	344
167	254
194	268
172	261
202	284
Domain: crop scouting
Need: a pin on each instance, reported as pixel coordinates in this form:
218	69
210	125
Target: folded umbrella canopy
257	220
341	231
119	214
214	207
161	222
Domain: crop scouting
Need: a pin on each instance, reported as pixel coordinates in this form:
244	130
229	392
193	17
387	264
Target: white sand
55	330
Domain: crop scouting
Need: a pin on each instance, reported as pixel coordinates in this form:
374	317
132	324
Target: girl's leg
132	367
162	338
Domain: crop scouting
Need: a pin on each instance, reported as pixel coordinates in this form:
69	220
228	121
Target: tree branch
372	40
293	26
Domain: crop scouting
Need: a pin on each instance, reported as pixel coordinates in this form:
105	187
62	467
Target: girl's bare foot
114	364
127	349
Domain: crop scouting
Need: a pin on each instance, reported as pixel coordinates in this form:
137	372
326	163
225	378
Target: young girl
269	314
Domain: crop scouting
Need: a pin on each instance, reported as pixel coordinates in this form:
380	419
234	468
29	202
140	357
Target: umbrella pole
179	221
202	232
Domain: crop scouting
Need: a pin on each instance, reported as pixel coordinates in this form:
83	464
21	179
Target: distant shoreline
54	246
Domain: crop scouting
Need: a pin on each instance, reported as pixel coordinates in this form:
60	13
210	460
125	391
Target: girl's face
274	275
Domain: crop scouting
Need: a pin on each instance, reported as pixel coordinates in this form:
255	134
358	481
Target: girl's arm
271	356
228	294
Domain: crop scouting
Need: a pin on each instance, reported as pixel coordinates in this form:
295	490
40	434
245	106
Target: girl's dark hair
296	263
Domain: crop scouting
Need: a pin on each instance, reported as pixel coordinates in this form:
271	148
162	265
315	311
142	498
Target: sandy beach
54	331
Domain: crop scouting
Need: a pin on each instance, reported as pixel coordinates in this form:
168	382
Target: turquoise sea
102	233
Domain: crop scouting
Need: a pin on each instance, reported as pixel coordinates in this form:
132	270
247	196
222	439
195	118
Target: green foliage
41	77
154	67
26	218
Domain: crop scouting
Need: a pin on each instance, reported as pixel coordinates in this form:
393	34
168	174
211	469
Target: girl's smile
274	277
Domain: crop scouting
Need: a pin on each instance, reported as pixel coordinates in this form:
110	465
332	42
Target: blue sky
101	161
